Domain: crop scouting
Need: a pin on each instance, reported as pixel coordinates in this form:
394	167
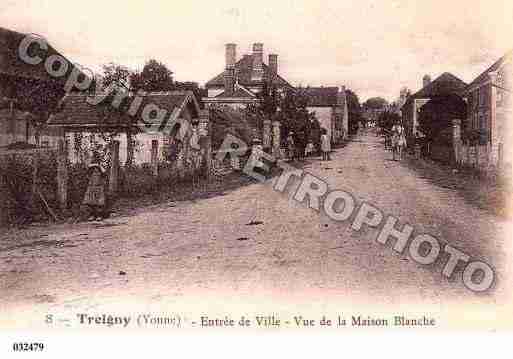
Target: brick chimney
273	66
229	72
258	58
341	96
426	80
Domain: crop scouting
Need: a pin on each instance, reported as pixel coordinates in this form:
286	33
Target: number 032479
28	347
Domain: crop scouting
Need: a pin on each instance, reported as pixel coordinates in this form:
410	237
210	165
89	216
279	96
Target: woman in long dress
94	197
325	145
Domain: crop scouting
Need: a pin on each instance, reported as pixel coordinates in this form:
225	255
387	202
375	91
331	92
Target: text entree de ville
260	321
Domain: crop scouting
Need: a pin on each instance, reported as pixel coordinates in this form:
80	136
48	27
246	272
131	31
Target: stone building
80	120
241	81
445	84
25	89
330	107
489	109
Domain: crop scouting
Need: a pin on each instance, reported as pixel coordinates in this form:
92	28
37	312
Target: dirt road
203	257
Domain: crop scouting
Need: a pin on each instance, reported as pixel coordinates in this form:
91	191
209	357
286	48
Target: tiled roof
243	70
445	84
495	66
11	63
238	93
321	96
76	111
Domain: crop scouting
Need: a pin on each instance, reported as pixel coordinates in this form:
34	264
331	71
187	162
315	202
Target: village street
202	256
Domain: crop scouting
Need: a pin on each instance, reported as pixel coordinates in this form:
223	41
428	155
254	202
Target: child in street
309	149
94	197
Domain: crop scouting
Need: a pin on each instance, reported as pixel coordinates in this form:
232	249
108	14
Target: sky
371	47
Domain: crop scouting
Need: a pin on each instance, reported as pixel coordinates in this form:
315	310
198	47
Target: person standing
94	197
309	149
398	139
291	148
325	145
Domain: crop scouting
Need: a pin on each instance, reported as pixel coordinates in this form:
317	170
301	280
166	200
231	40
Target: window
482	121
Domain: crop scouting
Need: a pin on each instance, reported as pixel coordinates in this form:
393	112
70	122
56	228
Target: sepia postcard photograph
297	168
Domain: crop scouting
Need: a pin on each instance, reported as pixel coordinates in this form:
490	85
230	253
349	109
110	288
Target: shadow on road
478	192
204	190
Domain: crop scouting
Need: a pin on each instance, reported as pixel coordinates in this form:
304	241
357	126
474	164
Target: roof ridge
489	68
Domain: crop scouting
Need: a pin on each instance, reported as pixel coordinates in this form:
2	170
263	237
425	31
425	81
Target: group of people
395	139
298	147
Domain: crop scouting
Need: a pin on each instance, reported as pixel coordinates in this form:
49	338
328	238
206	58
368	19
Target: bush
136	181
17	176
229	121
77	185
444	137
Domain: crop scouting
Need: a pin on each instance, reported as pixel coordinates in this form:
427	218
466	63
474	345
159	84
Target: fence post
114	168
205	130
155	158
35	165
500	156
62	175
477	157
267	136
456	139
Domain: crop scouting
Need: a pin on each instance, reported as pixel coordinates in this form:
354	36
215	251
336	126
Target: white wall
214	92
323	114
142	153
418	103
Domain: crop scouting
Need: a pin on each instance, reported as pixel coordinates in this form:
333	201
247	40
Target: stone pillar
155	158
3	203
114	168
267	136
276	139
469	159
205	133
62	175
456	139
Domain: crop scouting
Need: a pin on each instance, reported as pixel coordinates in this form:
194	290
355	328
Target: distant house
242	80
330	107
489	107
445	84
395	107
82	121
27	94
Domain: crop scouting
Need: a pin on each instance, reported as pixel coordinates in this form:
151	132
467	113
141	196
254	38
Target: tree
375	103
354	110
115	74
294	114
438	113
387	119
120	77
155	76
